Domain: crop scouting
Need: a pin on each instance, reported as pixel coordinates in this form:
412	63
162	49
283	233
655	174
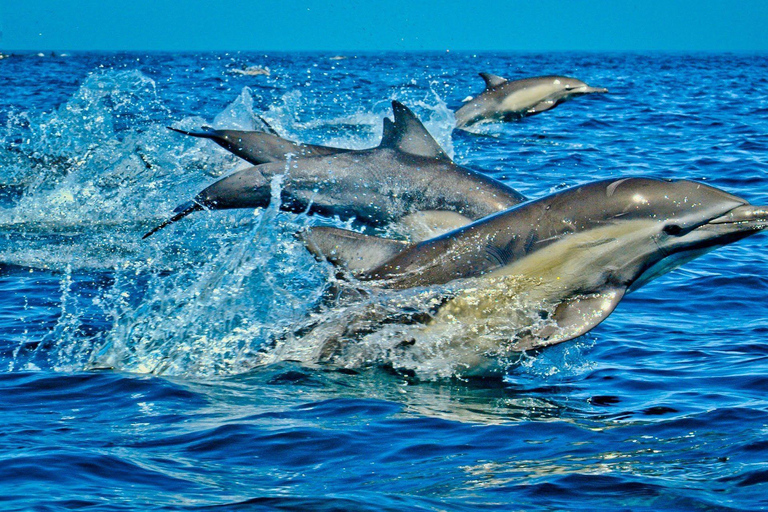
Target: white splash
221	292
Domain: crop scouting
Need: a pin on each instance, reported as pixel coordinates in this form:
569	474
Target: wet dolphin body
583	249
260	147
406	180
505	100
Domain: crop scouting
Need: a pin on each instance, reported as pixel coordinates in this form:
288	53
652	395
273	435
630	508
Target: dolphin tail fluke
206	132
183	210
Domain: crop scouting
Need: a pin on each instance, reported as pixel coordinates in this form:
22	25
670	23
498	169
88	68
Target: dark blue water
128	377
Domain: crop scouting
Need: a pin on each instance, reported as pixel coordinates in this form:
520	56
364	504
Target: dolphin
576	252
407	181
260	147
505	100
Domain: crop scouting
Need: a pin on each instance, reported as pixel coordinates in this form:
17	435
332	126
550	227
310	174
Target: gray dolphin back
584	247
510	100
260	147
407	175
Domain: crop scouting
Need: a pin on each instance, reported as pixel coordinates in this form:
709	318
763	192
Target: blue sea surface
144	374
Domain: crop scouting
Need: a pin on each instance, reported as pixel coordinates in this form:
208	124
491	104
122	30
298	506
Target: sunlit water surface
146	375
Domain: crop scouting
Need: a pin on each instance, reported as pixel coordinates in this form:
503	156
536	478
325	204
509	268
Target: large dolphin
407	180
260	147
505	100
579	251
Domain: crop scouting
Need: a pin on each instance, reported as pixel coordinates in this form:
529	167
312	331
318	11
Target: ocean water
146	374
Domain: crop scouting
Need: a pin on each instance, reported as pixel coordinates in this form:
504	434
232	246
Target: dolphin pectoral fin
492	81
572	318
542	107
349	249
183	210
431	223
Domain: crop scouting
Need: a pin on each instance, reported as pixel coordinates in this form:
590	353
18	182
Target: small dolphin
407	180
260	147
505	100
580	249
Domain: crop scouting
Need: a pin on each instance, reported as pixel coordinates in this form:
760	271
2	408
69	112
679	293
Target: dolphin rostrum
505	100
260	147
580	251
407	180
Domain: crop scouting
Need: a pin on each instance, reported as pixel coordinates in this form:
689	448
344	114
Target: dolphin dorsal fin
349	249
492	81
268	128
408	135
388	131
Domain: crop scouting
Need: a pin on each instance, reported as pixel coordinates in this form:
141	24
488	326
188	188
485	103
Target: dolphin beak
590	90
744	218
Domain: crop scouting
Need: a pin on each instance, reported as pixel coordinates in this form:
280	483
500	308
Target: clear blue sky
291	25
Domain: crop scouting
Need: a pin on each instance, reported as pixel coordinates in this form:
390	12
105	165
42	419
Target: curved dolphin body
260	147
406	180
505	100
581	249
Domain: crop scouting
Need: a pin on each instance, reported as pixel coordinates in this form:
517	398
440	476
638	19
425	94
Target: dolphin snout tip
598	89
757	214
750	216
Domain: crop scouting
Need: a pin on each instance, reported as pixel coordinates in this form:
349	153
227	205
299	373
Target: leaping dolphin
407	180
505	100
580	249
260	147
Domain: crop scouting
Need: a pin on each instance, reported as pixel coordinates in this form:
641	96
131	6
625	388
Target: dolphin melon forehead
670	190
649	198
669	198
566	80
555	79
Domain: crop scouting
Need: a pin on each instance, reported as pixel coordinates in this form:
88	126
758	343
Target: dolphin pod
582	249
505	100
573	254
407	180
502	100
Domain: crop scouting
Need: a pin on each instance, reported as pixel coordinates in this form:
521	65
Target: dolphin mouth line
747	215
740	219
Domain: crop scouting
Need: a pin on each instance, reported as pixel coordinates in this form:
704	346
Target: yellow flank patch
528	97
579	262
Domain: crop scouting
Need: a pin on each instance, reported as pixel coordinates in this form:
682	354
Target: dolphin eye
673	229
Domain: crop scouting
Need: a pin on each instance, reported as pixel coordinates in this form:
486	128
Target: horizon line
59	52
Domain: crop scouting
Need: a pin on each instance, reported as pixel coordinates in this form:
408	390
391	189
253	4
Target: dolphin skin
260	147
505	100
407	180
581	250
